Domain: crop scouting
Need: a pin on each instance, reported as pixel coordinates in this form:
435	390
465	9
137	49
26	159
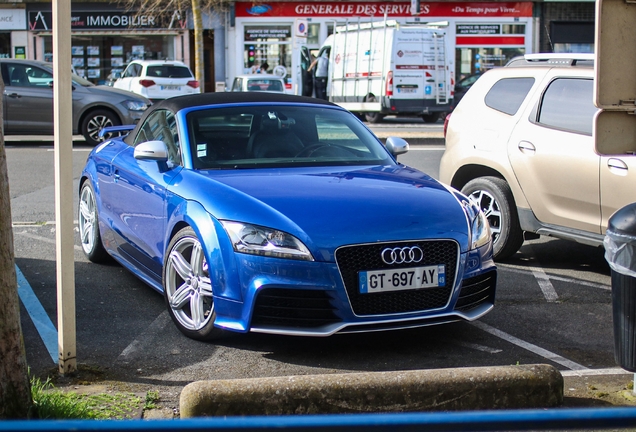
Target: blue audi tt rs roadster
282	214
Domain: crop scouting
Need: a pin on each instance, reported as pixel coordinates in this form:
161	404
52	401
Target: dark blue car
282	214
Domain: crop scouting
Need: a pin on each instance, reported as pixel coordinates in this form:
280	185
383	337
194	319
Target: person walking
321	66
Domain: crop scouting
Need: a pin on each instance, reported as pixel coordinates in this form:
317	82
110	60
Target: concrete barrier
503	387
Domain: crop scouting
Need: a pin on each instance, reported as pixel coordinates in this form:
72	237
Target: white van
380	69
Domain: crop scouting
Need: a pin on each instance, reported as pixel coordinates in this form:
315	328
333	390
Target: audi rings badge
402	255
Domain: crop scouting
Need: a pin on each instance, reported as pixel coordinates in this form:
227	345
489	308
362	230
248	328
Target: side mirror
396	146
152	150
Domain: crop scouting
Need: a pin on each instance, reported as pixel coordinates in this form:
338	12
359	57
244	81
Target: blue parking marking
38	315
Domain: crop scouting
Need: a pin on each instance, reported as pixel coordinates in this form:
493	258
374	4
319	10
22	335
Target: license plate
406	90
374	281
170	87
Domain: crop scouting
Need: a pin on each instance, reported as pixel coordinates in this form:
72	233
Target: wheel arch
92	108
469	172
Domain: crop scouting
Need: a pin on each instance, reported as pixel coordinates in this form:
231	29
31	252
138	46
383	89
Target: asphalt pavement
593	388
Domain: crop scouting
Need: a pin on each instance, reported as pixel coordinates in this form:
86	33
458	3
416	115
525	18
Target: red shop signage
305	9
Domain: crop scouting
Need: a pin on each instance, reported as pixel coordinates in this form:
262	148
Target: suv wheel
494	197
94	122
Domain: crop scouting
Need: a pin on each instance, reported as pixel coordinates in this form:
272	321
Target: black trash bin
620	253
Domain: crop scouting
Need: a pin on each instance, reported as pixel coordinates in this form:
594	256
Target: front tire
494	197
188	288
88	221
94	122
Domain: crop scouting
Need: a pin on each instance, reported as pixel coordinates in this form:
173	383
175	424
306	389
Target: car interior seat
275	86
19	77
254	87
275	138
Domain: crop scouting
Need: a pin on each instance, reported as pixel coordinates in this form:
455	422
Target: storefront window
313	34
102	58
471	61
269	46
5	44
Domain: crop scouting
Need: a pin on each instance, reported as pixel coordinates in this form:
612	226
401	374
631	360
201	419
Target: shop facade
13	34
104	39
484	34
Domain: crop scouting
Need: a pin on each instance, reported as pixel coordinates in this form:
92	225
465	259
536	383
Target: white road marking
43	239
146	338
543	280
528	346
557	278
596	372
477	347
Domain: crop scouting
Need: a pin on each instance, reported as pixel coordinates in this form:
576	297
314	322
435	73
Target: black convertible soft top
180	102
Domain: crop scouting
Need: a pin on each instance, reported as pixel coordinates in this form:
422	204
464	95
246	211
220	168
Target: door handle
116	175
526	147
617	166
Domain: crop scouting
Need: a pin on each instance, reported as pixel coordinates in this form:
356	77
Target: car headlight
480	233
258	240
135	105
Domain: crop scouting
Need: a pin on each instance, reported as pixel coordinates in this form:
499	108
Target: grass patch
50	403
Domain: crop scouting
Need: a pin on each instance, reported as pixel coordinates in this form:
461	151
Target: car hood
110	91
330	208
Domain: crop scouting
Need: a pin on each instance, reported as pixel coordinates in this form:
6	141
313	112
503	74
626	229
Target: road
553	306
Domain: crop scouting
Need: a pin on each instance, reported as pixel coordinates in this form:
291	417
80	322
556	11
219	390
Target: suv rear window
567	104
508	94
169	72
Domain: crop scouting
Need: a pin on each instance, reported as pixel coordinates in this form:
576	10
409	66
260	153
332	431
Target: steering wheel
281	71
308	151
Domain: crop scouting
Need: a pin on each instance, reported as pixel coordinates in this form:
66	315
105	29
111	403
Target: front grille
293	308
476	291
353	259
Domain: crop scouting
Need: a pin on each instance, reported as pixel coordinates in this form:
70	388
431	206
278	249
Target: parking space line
43	239
544	283
38	315
505	268
145	339
528	346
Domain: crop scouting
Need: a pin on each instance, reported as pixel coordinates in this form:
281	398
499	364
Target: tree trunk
15	390
197	19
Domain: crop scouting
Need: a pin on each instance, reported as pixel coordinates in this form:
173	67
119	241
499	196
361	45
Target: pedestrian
321	66
264	67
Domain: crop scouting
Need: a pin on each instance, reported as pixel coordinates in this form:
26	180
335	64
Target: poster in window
77	50
94	73
78	62
92	50
138	51
116	61
93	62
116	50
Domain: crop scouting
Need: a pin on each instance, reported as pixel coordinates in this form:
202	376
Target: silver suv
521	144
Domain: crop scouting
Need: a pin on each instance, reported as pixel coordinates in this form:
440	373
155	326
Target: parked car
158	79
28	102
463	85
258	82
282	214
520	145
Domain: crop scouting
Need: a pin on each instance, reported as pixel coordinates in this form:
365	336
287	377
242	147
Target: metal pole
64	236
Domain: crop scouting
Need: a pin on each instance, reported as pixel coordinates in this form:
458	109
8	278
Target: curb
502	387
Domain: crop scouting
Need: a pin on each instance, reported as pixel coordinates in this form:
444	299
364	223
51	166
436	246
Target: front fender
216	244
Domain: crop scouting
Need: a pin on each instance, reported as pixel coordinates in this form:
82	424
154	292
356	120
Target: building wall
550	12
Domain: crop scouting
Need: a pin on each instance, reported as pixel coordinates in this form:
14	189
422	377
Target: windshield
281	136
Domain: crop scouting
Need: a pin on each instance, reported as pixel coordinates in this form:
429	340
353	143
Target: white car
158	79
258	82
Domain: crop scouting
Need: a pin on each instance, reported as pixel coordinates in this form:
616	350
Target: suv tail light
446	119
193	84
146	83
389	84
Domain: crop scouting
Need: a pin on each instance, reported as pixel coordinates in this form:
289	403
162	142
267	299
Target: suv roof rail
553	59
